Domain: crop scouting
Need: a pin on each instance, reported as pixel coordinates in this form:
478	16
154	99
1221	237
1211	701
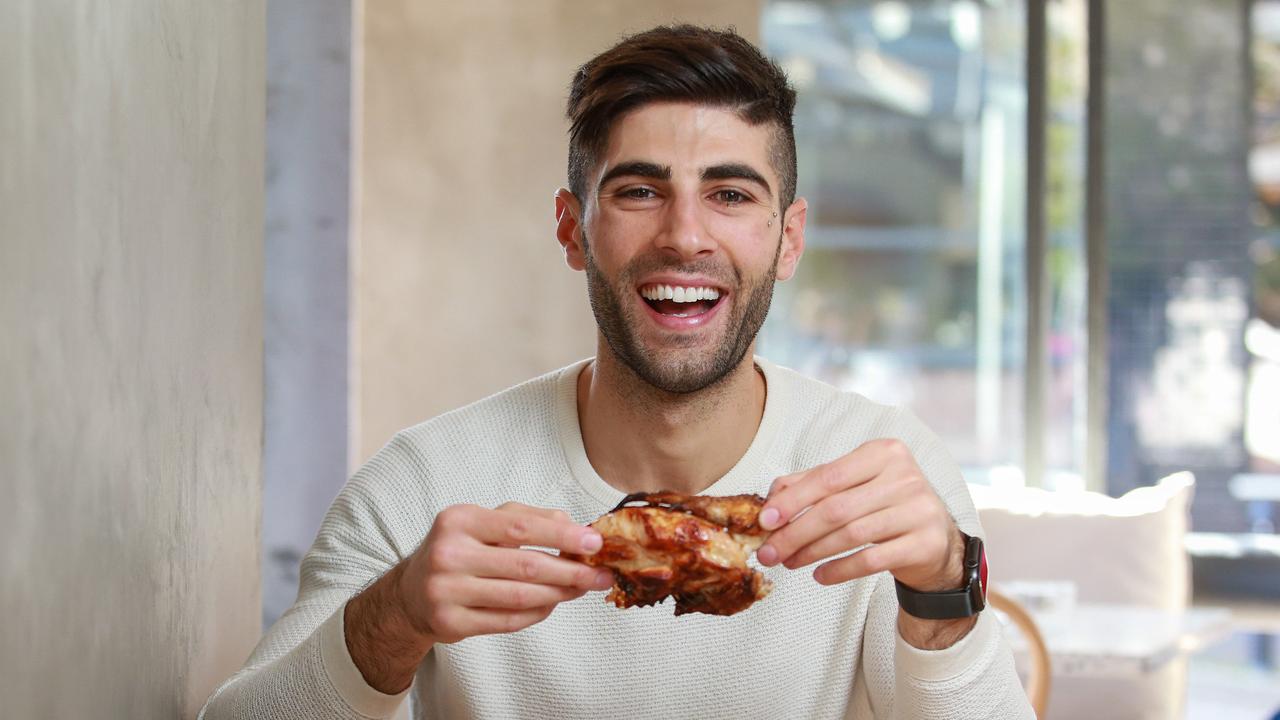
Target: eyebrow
637	168
736	171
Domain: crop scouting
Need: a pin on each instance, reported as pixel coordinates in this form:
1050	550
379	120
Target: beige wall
459	287
131	142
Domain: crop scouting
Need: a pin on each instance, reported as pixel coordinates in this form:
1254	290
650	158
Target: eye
638	193
731	197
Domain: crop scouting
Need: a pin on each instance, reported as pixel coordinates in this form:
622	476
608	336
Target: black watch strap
951	604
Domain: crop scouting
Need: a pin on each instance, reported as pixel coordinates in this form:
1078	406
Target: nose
685	233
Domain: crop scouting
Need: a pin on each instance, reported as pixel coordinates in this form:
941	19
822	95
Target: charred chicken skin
690	547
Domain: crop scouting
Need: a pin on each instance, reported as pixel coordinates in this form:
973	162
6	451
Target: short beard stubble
676	374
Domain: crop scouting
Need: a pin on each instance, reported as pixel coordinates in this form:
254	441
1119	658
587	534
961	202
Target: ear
792	238
569	229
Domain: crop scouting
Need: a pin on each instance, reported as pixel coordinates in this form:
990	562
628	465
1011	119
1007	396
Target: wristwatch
952	604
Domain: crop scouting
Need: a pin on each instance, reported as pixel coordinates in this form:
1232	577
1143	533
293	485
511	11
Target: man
431	566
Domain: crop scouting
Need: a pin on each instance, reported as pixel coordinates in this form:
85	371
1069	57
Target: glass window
1178	226
911	123
1262	330
1065	422
910	126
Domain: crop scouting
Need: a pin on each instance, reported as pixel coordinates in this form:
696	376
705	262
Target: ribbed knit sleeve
301	668
974	678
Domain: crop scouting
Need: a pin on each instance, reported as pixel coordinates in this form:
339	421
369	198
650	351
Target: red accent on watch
982	575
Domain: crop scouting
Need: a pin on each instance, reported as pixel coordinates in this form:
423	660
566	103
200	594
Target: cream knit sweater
806	651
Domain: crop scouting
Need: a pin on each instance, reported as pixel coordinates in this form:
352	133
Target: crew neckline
743	477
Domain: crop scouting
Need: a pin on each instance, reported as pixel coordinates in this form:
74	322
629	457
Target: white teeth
679	294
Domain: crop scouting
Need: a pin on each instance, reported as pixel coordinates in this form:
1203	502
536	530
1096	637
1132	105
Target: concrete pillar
308	186
131	352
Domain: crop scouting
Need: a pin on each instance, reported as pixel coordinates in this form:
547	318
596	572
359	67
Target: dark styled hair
679	63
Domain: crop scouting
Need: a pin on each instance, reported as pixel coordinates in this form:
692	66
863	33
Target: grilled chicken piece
739	514
690	547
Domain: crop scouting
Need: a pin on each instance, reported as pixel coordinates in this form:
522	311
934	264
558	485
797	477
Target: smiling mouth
680	301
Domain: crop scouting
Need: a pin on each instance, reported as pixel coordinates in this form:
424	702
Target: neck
642	439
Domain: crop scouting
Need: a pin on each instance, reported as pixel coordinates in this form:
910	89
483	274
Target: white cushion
1117	550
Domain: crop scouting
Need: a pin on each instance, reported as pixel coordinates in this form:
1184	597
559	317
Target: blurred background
243	243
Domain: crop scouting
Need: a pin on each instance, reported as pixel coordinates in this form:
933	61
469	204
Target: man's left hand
875	496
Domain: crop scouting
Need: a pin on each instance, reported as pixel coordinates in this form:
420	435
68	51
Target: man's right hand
475	574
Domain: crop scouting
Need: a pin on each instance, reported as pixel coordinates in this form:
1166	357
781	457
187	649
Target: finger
549	513
534	566
469	622
516	529
772	519
820	482
498	594
877	527
865	562
782	482
827	517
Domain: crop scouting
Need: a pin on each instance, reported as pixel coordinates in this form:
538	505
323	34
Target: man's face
680	242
